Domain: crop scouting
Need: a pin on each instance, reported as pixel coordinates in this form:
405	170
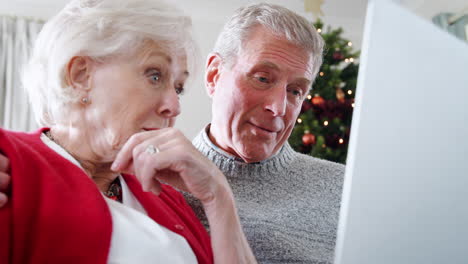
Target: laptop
405	197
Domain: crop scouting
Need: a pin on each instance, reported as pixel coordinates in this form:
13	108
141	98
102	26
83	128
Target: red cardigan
56	214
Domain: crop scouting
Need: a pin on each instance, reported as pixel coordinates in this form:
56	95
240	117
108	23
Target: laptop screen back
405	195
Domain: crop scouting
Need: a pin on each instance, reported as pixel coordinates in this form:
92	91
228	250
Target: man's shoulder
319	178
318	172
319	164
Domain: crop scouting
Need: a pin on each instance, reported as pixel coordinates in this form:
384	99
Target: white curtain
17	36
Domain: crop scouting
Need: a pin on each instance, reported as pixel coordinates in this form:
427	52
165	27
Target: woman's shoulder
17	143
18	137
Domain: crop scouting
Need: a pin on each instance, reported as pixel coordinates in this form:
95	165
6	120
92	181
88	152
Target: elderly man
262	67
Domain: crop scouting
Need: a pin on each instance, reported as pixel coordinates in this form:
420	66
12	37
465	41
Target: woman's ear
78	73
212	72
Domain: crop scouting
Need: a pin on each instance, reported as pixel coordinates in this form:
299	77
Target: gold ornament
340	95
314	6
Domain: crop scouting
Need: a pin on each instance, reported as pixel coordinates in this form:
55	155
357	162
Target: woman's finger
158	143
156	187
145	174
127	153
4	181
176	167
4	163
172	178
3	199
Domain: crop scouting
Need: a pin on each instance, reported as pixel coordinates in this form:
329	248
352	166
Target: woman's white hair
281	21
99	29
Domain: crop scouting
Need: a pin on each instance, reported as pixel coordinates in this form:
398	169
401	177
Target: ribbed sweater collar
235	166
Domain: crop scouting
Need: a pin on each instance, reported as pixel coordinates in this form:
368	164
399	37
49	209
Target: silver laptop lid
405	194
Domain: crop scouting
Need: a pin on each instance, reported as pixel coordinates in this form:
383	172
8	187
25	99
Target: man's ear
212	72
78	73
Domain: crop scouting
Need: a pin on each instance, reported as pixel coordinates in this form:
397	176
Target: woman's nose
170	105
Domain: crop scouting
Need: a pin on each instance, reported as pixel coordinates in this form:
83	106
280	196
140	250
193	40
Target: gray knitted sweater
288	204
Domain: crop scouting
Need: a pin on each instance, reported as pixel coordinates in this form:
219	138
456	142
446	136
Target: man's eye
263	79
295	92
180	90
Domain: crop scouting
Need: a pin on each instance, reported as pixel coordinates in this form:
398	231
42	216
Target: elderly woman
104	80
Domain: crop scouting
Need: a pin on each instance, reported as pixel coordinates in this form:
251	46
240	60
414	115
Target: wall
208	19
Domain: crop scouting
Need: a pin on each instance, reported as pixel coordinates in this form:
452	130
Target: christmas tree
323	127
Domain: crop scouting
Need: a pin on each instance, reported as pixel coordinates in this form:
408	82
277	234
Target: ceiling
349	14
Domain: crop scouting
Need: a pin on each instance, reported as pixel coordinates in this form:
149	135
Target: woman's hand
167	155
4	179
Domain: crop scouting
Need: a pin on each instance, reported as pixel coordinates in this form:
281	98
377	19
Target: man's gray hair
100	29
281	21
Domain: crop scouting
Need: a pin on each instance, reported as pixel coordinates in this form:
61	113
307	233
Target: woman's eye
155	77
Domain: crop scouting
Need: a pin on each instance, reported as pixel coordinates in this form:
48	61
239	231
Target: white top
136	238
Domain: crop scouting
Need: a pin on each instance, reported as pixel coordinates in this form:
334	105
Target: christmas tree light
325	119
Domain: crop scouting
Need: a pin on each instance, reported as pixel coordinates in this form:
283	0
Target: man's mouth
265	128
150	128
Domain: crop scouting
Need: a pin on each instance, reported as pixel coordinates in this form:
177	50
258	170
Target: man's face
257	100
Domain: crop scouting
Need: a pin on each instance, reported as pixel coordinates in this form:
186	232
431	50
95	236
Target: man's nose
276	101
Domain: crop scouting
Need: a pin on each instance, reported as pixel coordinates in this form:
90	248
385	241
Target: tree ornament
318	100
308	138
314	6
332	101
306	105
338	56
340	95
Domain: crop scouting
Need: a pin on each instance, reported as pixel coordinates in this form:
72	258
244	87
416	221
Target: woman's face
133	94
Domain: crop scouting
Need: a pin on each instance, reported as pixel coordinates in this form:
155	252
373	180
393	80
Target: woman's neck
79	146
